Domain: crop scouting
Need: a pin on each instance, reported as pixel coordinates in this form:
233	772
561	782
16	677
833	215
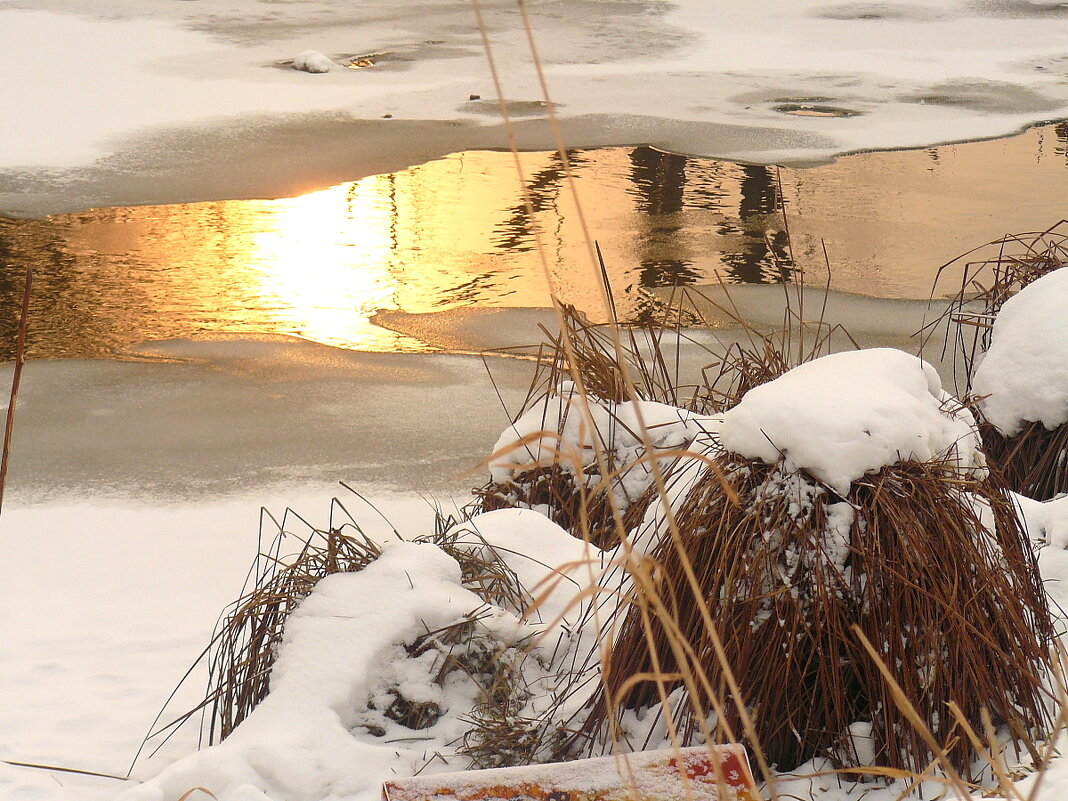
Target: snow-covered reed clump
574	457
438	654
1022	387
847	514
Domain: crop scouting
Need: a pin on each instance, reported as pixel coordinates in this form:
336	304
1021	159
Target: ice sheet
797	81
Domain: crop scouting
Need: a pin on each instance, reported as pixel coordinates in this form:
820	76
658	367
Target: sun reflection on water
323	262
455	232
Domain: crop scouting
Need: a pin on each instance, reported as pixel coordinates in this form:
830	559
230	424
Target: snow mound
554	567
301	743
1025	372
363	650
847	414
313	61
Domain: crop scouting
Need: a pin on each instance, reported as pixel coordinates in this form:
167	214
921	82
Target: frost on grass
1024	374
847	414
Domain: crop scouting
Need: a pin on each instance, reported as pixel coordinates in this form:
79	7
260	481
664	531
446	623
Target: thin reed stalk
16	380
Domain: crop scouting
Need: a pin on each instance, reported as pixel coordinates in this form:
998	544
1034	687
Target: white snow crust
1025	372
847	414
86	77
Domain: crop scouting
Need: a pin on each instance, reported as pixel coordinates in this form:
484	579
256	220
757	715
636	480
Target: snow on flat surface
74	84
848	414
716	79
1025	373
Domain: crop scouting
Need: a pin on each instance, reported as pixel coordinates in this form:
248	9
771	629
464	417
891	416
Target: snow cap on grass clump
614	427
550	459
1025	372
847	414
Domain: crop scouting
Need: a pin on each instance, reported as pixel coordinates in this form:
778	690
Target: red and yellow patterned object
712	773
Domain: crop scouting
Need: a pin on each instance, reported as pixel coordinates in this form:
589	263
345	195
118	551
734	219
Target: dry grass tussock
571	489
294	556
792	575
989	275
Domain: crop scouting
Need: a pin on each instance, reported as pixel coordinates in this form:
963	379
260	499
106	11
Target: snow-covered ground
106	604
154	96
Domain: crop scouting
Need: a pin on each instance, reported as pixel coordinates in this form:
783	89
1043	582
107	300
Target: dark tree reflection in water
659	185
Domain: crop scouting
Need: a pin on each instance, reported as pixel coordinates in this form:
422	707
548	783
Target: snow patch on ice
847	414
313	61
1025	372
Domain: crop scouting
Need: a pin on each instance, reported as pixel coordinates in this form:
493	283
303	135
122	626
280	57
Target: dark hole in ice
809	109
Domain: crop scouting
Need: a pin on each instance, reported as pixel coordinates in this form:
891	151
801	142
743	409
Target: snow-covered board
668	775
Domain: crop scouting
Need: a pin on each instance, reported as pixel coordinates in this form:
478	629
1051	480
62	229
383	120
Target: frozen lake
453	233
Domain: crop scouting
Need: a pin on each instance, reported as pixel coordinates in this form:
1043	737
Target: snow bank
1025	372
557	429
847	414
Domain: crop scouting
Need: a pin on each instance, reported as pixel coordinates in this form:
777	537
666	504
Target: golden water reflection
455	232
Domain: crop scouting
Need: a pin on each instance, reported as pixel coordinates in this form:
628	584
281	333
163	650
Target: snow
1046	521
554	567
83	83
557	429
847	414
299	743
702	78
1024	373
313	61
